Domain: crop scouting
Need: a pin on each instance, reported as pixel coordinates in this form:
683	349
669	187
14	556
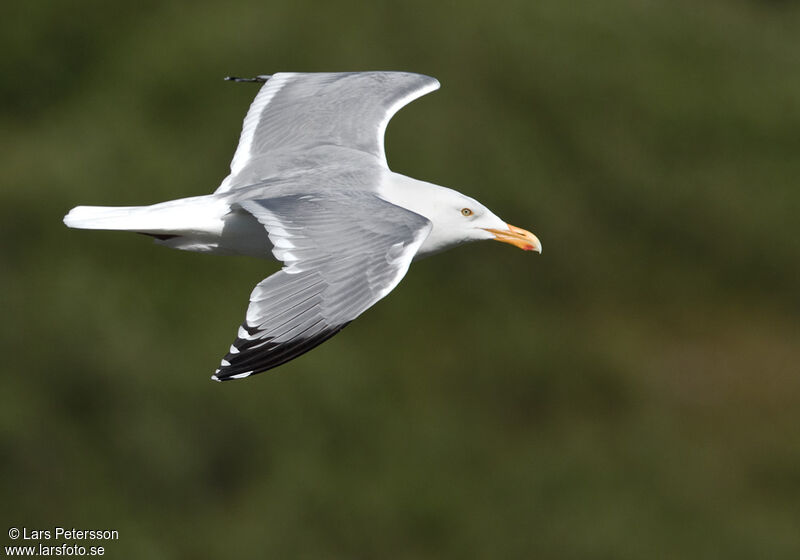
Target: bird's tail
124	218
173	217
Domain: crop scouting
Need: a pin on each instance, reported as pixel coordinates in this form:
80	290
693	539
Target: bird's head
458	218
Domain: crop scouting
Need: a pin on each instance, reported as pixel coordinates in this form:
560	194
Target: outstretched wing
341	254
296	113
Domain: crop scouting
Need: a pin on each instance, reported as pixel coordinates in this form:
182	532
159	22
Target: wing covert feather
295	113
342	253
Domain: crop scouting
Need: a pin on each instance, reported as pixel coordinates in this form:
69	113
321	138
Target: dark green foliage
632	393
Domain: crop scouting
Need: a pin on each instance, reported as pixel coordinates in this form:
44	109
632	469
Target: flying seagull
309	186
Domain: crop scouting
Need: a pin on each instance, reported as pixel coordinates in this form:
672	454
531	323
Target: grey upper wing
341	254
295	113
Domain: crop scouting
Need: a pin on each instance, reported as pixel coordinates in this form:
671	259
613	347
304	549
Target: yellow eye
466	212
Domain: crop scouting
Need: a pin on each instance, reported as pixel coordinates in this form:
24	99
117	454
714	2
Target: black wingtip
266	355
257	79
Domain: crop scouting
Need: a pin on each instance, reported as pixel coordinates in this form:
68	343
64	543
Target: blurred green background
632	393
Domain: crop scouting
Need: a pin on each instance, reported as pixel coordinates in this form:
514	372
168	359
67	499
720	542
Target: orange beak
518	237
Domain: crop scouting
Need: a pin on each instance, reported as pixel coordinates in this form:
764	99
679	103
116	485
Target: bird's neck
424	199
413	194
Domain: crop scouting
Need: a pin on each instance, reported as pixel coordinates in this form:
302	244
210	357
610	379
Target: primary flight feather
309	186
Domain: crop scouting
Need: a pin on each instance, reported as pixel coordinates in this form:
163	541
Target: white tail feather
133	218
201	223
196	214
